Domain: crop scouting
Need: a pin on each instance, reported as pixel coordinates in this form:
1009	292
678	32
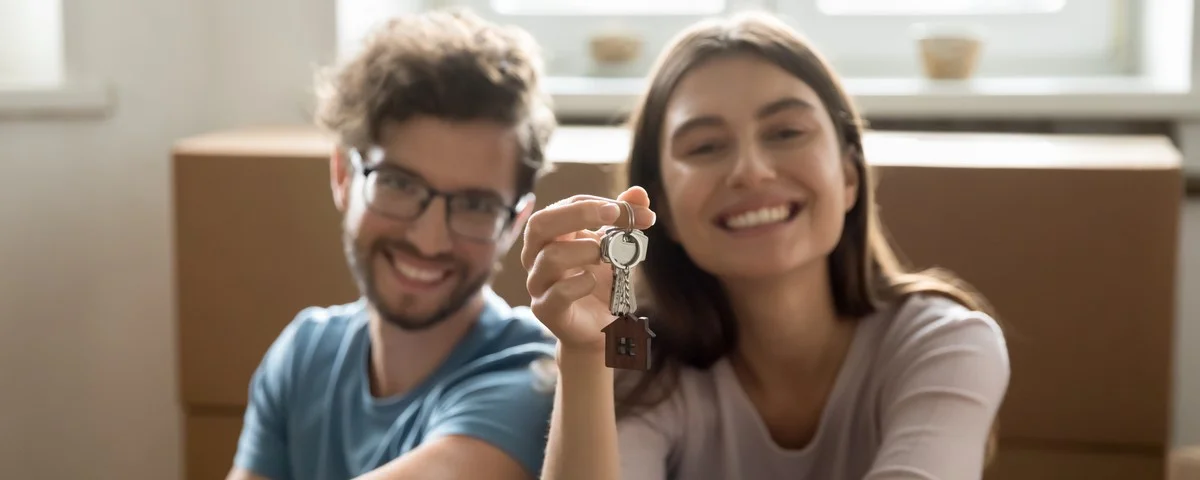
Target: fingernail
609	213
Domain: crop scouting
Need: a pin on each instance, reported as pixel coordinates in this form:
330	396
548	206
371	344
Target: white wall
87	340
87	357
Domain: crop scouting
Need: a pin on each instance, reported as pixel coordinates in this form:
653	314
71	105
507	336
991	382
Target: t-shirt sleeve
938	405
509	409
646	439
262	446
643	449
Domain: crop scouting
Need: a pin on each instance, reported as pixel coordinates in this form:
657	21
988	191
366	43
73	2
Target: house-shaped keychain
627	343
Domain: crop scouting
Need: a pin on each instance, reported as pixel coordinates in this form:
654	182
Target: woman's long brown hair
693	320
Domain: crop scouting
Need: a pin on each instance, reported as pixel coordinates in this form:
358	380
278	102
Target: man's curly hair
449	64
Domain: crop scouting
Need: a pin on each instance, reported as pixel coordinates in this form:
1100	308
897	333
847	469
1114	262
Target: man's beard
363	269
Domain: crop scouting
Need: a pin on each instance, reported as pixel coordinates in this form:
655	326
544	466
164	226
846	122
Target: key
622	300
628	338
624	248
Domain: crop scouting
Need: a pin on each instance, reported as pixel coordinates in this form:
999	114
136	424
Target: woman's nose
751	168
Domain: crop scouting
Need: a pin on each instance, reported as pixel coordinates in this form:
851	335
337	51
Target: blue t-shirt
311	414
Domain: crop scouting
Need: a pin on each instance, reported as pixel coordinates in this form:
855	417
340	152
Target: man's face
417	269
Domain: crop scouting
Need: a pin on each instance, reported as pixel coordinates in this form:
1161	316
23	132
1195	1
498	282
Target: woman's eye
704	149
785	134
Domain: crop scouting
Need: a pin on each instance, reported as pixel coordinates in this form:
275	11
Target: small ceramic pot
948	52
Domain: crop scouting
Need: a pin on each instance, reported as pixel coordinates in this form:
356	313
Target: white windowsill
73	100
1081	97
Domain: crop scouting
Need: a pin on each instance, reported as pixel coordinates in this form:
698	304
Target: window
863	38
626	347
938	7
31	44
609	7
565	28
1022	38
356	18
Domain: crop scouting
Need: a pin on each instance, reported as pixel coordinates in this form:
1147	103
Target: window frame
564	37
1098	43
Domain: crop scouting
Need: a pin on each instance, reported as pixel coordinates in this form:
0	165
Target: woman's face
753	170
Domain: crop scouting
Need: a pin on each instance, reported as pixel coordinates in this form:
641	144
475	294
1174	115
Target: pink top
915	399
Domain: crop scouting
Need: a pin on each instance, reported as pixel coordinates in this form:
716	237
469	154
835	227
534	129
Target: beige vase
615	47
949	52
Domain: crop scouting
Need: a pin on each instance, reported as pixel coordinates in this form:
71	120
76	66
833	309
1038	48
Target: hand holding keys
571	257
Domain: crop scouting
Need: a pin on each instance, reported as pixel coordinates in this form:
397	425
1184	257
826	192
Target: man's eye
478	205
400	183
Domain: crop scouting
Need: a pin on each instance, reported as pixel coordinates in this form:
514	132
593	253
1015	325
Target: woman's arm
569	287
938	408
583	428
585	440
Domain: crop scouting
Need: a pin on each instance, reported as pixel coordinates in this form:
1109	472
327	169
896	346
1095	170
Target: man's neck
401	360
789	333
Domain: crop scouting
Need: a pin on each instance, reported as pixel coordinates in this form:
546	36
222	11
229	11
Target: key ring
629	213
628	230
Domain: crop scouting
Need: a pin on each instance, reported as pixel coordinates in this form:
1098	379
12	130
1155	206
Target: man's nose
429	232
751	168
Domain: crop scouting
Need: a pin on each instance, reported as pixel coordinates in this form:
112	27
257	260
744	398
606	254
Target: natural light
31	44
608	7
829	7
938	7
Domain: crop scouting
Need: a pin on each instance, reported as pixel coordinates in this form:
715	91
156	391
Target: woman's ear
851	162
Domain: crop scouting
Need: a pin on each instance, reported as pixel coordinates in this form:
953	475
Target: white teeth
758	217
419	274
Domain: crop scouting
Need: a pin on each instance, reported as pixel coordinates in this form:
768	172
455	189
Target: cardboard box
1072	238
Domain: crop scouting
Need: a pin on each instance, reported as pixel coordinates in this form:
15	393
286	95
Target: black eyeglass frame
357	161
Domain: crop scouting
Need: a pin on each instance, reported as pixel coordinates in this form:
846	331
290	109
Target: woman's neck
789	332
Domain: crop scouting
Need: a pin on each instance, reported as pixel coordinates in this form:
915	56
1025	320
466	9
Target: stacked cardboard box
1073	239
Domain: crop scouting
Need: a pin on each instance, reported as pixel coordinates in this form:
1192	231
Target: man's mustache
385	245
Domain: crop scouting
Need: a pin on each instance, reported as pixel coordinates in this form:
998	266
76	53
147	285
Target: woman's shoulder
935	345
922	324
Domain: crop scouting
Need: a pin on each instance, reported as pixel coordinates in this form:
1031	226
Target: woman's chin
750	267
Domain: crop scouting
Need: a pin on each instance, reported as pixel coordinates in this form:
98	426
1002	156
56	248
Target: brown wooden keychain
627	340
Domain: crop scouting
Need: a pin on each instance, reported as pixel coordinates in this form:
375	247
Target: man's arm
492	425
262	446
243	474
452	457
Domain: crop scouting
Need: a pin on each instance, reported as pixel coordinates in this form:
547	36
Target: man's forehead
455	155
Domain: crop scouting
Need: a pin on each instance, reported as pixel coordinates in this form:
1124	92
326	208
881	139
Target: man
442	128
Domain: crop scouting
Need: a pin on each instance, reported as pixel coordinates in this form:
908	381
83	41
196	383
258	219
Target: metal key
628	339
621	301
624	248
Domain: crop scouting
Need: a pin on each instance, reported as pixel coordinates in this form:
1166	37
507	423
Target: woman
790	344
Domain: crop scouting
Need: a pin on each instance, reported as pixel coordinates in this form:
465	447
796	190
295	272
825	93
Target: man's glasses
397	194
